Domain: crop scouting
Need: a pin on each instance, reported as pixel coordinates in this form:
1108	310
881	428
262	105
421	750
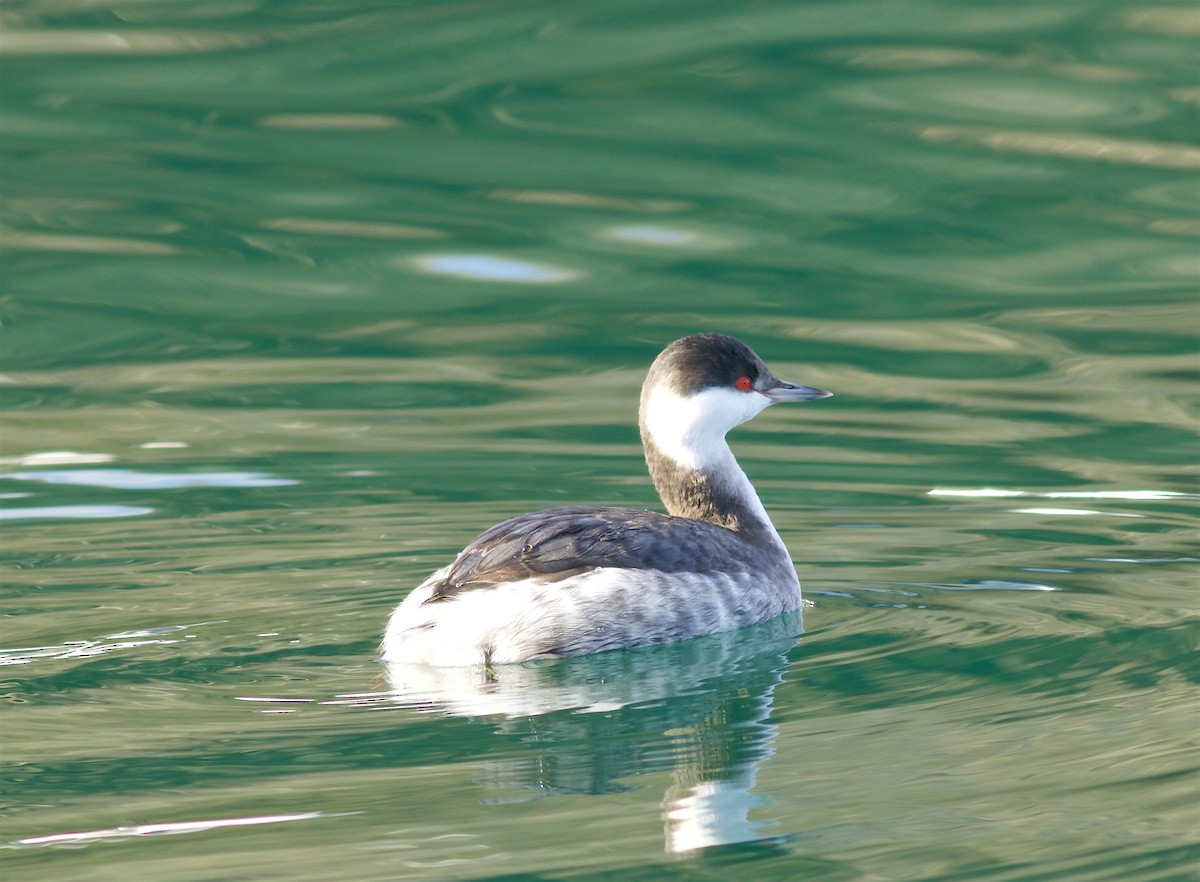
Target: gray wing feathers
561	542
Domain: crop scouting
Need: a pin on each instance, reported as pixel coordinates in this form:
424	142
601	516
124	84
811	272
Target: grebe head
702	386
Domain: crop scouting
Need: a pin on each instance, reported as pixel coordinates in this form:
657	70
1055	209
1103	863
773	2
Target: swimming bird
580	580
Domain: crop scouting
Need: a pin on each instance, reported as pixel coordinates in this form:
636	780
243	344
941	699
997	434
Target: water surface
300	297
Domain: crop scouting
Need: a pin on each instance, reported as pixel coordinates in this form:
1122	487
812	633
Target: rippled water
299	297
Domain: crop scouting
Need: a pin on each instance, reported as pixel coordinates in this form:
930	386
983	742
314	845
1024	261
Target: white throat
691	430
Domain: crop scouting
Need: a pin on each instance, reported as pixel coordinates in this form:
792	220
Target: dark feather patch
554	544
702	361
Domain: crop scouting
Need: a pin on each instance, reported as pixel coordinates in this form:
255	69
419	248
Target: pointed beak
782	391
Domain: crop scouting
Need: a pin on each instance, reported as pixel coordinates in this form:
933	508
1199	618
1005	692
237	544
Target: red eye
744	383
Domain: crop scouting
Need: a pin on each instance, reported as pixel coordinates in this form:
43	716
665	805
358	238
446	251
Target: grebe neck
693	469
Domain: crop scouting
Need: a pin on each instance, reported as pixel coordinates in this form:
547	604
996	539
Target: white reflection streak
89	648
487	268
101	648
1074	512
157	829
648	235
78	41
80	512
1119	494
1073	494
982	491
715	810
56	457
711	813
128	479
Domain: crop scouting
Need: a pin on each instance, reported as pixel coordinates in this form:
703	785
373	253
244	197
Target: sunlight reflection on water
488	268
83	512
167	828
128	479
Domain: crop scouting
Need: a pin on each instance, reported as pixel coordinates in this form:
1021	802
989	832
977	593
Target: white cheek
753	403
692	430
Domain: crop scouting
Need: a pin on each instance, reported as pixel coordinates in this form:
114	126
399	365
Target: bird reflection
698	709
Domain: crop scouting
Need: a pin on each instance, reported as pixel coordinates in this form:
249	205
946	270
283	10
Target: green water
299	297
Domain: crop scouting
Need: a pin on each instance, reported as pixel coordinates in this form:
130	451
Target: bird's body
578	580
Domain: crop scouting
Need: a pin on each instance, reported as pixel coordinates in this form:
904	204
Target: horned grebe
573	581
